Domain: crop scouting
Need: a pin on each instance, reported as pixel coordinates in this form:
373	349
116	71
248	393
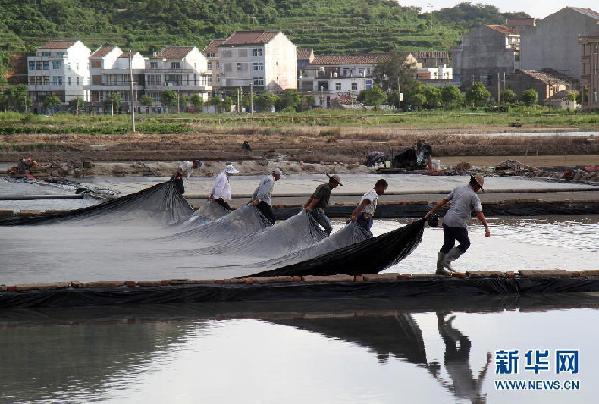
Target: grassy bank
16	123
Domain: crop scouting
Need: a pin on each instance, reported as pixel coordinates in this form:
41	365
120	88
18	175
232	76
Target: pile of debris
511	168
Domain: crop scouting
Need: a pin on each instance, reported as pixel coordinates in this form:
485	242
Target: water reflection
126	354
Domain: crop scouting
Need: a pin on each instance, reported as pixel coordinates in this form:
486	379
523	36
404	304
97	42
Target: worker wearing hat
262	197
319	201
221	190
463	201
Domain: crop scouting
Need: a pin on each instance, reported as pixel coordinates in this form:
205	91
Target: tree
289	100
76	104
530	97
16	98
51	102
433	97
197	102
509	97
215	102
266	101
169	99
452	97
478	95
395	73
113	102
375	96
226	104
572	95
146	100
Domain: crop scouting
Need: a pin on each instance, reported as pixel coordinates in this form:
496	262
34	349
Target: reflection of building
339	78
553	43
109	69
265	59
59	68
590	71
177	68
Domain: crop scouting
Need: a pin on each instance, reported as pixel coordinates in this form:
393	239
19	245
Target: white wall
280	64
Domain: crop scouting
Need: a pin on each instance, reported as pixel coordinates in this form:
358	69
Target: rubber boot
452	255
440	260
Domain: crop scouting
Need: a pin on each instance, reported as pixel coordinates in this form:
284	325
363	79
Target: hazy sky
536	8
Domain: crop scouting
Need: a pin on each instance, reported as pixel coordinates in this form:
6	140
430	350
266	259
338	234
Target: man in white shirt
187	167
262	197
364	213
463	200
221	190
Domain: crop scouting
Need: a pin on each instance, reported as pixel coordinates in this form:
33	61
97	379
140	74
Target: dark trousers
451	234
266	211
365	221
223	203
322	219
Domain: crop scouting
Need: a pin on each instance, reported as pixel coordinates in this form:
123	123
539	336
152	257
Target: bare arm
437	207
483	220
359	209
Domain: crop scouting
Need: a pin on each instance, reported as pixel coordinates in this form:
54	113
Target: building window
46	80
153	65
60	54
209	65
175	65
354	86
69	81
228	67
56	64
96	64
368	84
257	52
46	65
77	80
259	67
361	72
258	81
239	67
31	65
46	54
338	86
242	53
227	53
346	72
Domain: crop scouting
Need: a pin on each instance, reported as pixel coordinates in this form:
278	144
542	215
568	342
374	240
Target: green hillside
333	26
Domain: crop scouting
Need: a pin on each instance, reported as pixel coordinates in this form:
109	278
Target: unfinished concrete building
590	71
553	42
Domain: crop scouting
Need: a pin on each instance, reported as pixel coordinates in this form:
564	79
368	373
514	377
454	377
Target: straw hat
230	169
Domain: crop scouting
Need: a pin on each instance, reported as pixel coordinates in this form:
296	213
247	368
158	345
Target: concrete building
109	69
339	79
546	84
553	42
211	54
590	71
183	69
484	53
442	72
266	60
59	68
432	59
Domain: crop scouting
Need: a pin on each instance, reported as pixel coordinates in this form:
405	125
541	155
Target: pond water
321	352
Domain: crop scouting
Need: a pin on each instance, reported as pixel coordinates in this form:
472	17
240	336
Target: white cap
230	169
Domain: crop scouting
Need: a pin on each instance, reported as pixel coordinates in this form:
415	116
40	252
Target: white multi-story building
183	69
265	59
109	68
339	78
59	68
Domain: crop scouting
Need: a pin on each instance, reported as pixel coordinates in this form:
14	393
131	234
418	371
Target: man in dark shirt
320	200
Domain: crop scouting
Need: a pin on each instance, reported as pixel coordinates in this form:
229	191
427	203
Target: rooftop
304	53
250	38
62	44
521	22
102	51
213	45
544	77
586	11
502	29
173	52
350	59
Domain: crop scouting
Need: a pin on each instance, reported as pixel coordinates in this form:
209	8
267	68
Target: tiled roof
586	11
212	47
350	59
543	76
102	51
430	54
173	52
304	53
250	38
57	45
502	29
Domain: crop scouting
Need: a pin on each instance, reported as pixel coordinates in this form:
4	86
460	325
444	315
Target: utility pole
238	101
498	89
252	98
131	94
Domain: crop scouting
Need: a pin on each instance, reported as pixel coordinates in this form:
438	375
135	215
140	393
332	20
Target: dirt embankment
309	144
